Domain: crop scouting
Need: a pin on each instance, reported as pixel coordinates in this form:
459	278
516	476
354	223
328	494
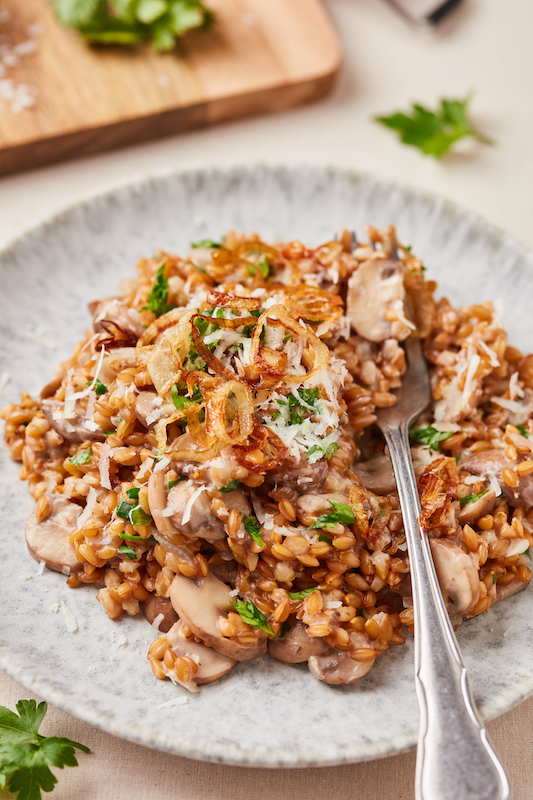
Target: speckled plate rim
19	671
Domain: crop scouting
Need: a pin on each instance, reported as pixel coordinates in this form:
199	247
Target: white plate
264	713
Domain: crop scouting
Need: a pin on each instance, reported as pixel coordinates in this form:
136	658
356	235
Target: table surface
487	51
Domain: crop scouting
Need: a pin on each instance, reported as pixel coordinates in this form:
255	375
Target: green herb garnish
434	132
303	400
252	526
494	579
133	493
527	553
209	243
130	552
341	513
128	22
429	436
327	450
230	487
523	430
123	510
283	630
472	498
177	480
132	538
250	614
139	517
323	538
26	756
99	387
83	457
303	593
157	299
180	402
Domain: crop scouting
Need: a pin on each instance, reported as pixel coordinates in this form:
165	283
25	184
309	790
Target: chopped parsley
523	430
262	267
341	513
209	243
327	450
83	457
304	399
177	480
323	538
26	755
472	498
283	630
429	436
252	526
157	299
99	387
132	512
132	538
130	552
303	593
434	132
230	487
180	402
250	614
527	553
494	579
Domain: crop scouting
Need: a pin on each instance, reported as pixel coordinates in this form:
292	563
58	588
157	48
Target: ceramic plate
264	713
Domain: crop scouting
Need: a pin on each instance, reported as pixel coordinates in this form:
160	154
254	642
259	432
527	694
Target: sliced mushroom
200	602
491	462
73	430
186	506
458	577
502	592
210	664
339	667
149	408
51	388
299	474
310	506
374	288
113	310
46	540
376	474
155	606
471	512
296	646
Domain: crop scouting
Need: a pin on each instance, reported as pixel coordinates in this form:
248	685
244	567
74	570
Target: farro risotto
208	455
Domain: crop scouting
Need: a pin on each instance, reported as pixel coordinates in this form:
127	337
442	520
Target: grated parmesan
72	625
88	510
176	701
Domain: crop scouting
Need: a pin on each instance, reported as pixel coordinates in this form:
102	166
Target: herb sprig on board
129	22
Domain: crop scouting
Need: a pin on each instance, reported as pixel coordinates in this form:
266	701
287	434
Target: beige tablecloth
386	66
118	770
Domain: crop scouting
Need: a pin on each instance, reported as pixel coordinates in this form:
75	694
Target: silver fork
455	760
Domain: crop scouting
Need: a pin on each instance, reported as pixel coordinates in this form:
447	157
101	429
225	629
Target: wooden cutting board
261	55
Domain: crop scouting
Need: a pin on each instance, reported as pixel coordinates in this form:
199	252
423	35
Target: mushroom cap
376	474
471	512
199	603
71	430
211	664
338	667
296	646
458	577
375	287
155	606
46	540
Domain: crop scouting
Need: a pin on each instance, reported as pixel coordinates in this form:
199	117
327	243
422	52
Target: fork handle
455	760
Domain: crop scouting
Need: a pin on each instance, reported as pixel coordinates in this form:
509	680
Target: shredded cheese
72	625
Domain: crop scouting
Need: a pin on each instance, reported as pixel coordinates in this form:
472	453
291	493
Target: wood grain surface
261	55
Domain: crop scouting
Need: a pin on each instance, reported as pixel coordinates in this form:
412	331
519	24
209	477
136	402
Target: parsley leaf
132	538
83	457
231	486
127	22
133	493
303	400
132	512
177	480
303	593
527	553
429	436
327	450
139	517
130	552
341	513
252	526
434	132
323	538
157	299
207	243
523	430
250	614
25	755
180	402
99	387
472	498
